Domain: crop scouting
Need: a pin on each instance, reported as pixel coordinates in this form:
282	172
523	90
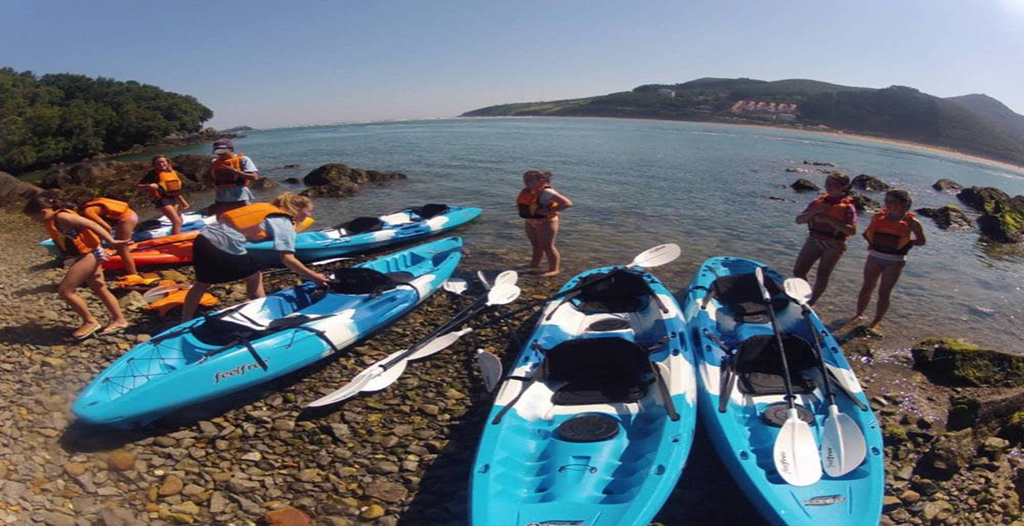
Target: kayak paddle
490	368
795	451
385	372
842	443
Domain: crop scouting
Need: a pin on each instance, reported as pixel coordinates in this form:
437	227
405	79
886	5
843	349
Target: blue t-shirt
280	231
233	194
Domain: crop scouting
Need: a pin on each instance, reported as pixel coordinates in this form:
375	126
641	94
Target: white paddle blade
503	295
508	277
490	369
798	289
796	454
657	256
157	293
483	279
760	284
350	389
386	378
438	344
842	444
455	286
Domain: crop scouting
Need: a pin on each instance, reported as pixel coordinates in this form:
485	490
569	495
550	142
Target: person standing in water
79	239
539	204
230	175
164	185
831	219
891	234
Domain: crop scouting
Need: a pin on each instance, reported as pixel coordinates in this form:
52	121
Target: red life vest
528	203
226	178
77	243
249	219
838	211
889	236
111	209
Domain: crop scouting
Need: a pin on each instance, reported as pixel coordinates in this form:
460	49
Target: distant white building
667	93
785	117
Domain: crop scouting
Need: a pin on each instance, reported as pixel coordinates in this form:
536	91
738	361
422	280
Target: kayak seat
623	292
362	225
218	331
430	210
361	280
742	296
597	371
760	368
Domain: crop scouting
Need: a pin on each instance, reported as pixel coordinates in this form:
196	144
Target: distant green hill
976	126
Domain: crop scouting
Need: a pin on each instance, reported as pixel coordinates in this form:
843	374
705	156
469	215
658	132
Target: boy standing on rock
231	174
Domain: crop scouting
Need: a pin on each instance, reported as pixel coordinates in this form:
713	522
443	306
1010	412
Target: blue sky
267	64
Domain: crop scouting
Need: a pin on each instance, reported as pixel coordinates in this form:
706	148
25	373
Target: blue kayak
742	395
263	339
582	431
368	233
151	229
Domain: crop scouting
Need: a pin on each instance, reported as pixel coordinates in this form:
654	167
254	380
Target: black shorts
213	265
164	201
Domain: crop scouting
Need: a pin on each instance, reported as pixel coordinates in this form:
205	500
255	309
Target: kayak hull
324	244
186	365
741	437
529	471
167	250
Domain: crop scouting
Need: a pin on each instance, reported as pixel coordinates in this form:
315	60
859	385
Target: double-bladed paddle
795	451
842	442
385	372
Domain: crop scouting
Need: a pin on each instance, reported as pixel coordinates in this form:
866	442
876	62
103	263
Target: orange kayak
167	250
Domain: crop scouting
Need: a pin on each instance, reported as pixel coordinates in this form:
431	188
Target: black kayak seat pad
597	371
742	296
625	291
362	225
430	210
759	365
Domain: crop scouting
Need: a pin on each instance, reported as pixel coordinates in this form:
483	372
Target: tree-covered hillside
65	117
897	112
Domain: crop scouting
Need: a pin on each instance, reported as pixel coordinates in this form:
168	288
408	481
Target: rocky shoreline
404	455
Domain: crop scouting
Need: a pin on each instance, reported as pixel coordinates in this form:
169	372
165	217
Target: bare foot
86	330
547	274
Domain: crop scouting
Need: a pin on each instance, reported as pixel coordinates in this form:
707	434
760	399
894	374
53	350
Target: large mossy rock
340	180
1001	410
1002	216
116	180
869	183
955	362
14	191
949	217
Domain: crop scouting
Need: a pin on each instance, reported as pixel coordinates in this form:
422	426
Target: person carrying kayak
891	234
539	204
831	219
230	175
219	254
164	185
79	239
101	210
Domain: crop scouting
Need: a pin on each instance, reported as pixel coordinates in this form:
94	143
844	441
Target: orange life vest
169	183
225	178
838	211
176	299
249	219
111	209
528	203
75	243
888	236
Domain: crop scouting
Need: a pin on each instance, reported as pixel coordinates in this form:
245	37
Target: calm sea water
707	187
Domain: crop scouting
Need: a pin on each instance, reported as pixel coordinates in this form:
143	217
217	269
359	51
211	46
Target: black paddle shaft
821	355
778	340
